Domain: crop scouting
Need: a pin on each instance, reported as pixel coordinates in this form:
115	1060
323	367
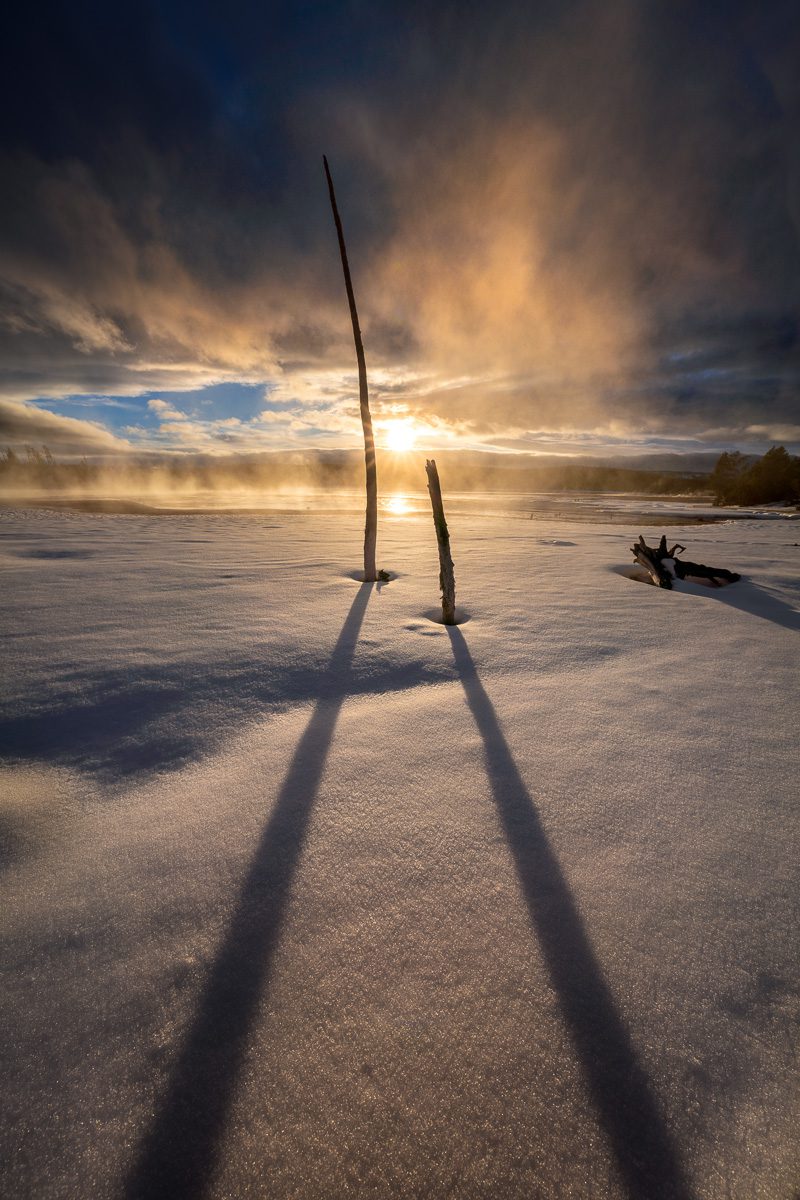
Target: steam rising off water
569	506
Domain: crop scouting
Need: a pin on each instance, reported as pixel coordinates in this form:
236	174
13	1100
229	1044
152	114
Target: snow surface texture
304	895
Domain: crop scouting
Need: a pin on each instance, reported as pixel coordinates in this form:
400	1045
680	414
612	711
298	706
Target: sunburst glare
399	436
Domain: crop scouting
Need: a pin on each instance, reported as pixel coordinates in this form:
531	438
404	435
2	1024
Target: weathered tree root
662	565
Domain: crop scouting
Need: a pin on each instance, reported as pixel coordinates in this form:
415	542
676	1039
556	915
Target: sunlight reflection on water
397	506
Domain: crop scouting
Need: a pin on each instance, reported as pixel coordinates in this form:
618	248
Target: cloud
560	217
775	433
25	424
165	411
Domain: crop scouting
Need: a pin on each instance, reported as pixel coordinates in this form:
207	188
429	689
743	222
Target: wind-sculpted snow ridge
303	894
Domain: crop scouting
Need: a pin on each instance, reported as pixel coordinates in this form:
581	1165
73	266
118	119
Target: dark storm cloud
584	214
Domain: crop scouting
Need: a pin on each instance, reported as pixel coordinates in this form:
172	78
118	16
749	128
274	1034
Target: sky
573	227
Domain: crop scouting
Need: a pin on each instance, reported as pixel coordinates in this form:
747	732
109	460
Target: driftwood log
663	565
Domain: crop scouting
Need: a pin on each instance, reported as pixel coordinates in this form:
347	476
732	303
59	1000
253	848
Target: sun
400	436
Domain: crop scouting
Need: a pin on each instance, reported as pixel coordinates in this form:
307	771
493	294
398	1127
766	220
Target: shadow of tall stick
178	1155
627	1110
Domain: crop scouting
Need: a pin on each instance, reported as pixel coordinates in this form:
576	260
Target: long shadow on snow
646	1157
177	1157
127	727
748	597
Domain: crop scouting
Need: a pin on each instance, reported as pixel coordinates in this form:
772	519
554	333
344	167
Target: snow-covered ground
304	895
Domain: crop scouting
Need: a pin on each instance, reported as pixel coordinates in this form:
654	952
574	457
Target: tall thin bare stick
371	523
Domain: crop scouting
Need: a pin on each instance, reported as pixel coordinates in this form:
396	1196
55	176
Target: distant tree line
573	477
35	469
772	479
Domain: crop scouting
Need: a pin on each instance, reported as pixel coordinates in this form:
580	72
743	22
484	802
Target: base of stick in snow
663	565
447	579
